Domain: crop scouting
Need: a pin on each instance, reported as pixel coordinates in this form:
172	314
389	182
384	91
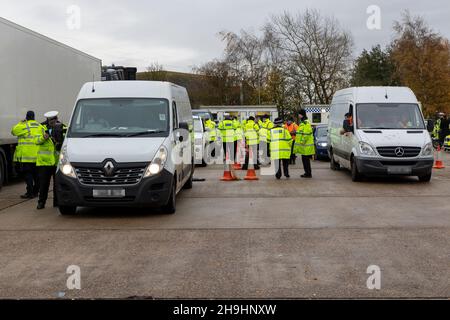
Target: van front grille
399	152
121	176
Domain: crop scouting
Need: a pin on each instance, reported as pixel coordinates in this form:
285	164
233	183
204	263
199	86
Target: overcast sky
180	34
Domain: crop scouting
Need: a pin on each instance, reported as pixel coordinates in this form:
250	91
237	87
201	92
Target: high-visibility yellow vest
226	129
280	143
265	130
47	154
304	140
211	130
26	132
251	133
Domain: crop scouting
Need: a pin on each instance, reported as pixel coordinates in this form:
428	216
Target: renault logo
108	168
399	152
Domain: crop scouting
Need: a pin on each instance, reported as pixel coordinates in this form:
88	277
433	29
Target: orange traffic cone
227	174
251	174
438	164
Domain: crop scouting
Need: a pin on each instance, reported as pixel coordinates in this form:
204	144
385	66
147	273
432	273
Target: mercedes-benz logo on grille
108	168
399	151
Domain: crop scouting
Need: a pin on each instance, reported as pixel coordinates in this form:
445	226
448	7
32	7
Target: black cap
30	115
278	121
303	113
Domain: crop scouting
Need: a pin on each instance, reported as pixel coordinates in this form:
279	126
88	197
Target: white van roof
378	95
127	89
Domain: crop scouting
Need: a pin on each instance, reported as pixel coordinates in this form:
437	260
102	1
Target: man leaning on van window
347	124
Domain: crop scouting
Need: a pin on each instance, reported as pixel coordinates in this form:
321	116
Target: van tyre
67	210
333	164
170	207
188	184
425	178
356	175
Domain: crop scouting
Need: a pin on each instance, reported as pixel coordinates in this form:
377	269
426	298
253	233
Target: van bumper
149	192
399	167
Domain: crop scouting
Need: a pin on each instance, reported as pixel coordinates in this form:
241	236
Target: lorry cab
379	131
129	143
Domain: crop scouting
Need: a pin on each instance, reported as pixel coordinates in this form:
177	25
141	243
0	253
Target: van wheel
67	210
356	176
188	184
333	164
425	178
170	207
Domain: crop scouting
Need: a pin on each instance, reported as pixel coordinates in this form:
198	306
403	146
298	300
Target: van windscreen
120	118
396	116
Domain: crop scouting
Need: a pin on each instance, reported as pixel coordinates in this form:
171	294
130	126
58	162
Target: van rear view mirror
183	125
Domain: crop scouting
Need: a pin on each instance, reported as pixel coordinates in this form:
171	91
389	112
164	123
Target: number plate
108	193
399	170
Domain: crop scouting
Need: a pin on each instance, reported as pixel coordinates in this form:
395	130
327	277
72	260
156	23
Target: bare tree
155	71
244	53
318	50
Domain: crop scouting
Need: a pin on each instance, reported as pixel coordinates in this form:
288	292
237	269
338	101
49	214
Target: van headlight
64	164
366	149
427	150
157	164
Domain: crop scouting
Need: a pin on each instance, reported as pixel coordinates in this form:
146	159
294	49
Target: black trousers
229	147
31	178
254	150
306	160
45	174
282	163
293	156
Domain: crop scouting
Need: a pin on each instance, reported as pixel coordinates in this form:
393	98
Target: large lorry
38	74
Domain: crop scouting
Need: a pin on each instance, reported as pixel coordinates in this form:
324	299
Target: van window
389	116
120	117
316	117
175	116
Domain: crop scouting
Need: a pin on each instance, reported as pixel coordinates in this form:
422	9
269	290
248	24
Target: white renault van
129	143
386	136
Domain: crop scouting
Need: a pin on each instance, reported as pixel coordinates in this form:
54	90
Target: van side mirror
183	125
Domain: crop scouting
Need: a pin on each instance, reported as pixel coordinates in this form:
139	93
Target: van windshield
120	118
396	116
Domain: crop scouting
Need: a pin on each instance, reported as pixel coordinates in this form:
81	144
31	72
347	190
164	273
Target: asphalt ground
270	238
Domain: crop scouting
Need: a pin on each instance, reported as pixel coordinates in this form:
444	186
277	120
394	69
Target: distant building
317	114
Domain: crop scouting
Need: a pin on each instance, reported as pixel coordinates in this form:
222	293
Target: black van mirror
183	125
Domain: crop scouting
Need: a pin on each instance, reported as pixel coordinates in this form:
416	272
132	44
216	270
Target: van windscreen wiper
103	135
143	133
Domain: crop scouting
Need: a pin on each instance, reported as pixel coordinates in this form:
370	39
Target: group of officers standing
265	141
37	153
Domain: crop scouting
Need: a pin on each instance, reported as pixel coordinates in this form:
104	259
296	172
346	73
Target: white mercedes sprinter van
129	143
385	133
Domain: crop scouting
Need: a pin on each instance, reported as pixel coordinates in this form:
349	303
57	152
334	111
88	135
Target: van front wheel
170	207
333	164
67	210
425	178
356	175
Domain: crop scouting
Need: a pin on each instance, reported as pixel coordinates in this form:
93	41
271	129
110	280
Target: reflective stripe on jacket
280	143
251	133
304	140
226	129
211	130
46	155
26	132
264	131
